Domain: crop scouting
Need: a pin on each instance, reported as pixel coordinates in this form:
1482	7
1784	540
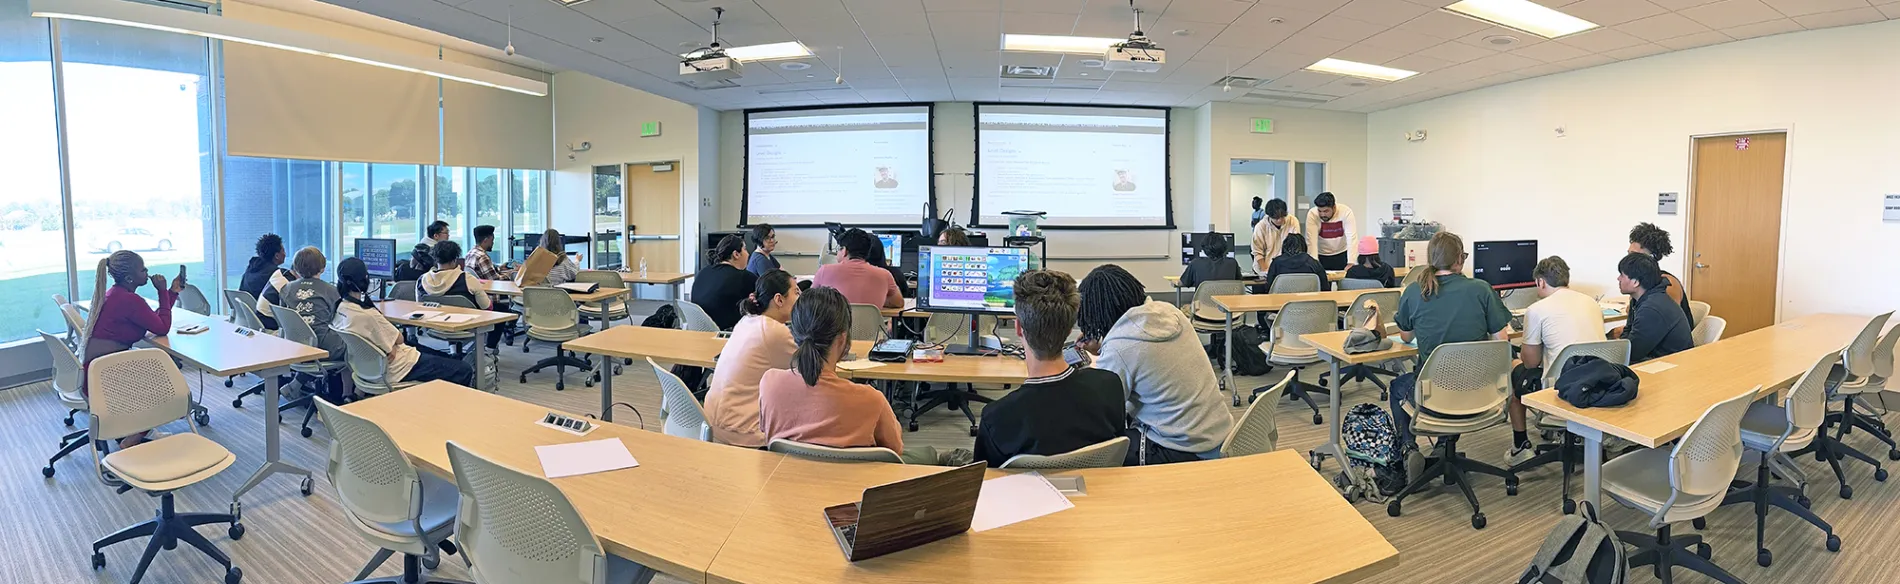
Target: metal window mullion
63	143
214	74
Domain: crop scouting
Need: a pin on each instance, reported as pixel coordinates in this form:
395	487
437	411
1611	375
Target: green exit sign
1262	125
649	129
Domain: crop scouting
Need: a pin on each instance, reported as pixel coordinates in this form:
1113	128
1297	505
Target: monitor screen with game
378	255
893	248
1191	245
979	280
1505	264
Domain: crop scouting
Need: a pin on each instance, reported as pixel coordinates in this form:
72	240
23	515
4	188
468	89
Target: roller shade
484	127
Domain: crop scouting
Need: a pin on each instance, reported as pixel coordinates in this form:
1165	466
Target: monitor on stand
969	280
893	249
1504	264
378	255
1191	244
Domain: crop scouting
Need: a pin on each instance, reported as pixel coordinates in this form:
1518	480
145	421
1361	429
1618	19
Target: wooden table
601	297
1230	305
671	280
398	311
1331	347
1398	273
1262	519
672	513
1671	401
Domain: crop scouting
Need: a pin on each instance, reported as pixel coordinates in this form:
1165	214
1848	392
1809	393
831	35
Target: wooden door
1735	227
653	210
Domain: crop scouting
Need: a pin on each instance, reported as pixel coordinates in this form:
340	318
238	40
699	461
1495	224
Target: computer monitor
1191	244
1504	264
969	280
378	255
893	248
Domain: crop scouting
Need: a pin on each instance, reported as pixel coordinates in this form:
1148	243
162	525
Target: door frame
1787	130
626	242
1226	165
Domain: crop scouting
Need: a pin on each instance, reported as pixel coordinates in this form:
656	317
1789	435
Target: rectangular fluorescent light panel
1356	69
1038	43
1523	15
784	50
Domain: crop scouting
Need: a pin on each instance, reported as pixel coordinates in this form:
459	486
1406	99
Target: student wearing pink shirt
760	342
854	275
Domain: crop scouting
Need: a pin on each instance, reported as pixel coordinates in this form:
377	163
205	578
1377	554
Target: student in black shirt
1212	264
894	266
1657	326
718	289
1653	241
1370	266
1293	259
1059	408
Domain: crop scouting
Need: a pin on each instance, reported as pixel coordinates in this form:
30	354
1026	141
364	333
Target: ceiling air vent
1028	72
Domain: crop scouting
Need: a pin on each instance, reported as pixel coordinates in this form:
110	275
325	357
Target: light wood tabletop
671	513
696	348
656	278
1264	519
222	351
398	311
1398	273
1333	345
989	370
1239	303
510	288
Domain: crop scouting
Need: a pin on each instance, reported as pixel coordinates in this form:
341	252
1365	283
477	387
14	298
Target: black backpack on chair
1248	358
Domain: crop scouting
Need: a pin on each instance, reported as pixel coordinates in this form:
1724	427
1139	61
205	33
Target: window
527	205
488	201
355	194
32	222
393	203
295	199
607	209
451	201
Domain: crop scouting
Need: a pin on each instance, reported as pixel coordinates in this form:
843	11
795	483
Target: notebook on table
902	515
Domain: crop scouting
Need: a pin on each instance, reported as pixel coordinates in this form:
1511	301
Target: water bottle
643	266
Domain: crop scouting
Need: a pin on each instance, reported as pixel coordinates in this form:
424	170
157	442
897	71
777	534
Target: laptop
906	514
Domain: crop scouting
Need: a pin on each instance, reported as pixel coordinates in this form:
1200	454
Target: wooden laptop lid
906	514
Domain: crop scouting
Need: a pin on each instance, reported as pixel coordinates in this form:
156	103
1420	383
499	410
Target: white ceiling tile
1679	5
1586	62
1550	52
1222	11
1022	93
1069	6
1320	5
1419	63
1612	12
1793	8
1385	12
790	10
1762	29
1506	62
1229	54
1306	44
1636	52
1443	25
1197	72
876	95
1731	13
1701	39
618	11
1662	26
1060	95
1367	54
1401	40
1456	52
1049	23
1600	40
883	7
1301	81
1240	36
1842	18
1436	4
1481	39
1542	70
1345	29
962	5
1891	10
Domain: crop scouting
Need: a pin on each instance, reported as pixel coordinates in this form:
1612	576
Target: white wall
1494	168
1242	188
1307	135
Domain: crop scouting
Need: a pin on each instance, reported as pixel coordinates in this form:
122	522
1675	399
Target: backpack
1580	550
1591	382
667	317
695	378
1248	358
1372	448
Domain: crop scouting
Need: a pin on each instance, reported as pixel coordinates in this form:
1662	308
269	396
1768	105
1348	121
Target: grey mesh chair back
75	322
1388	302
517	527
1300	318
1859	355
1709	330
291	325
1883	356
1615	351
1105	454
404	290
373	478
369	365
1465	379
65	373
1359	284
1203	307
867	322
244	309
551	314
192	299
1807	398
1704	461
814	451
606	278
694	318
1698	310
680	413
1294	284
1257	432
134	391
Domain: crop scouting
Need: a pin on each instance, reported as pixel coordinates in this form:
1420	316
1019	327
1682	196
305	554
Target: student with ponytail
357	315
760	342
120	317
1442	306
719	288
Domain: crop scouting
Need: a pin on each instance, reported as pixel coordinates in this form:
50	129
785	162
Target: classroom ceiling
947	50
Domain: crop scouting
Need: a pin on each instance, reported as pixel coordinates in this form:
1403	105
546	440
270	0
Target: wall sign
649	129
1892	212
1666	203
1741	143
1263	125
1402	208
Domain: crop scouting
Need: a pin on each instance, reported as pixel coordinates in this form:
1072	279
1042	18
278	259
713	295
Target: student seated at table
891	265
315	299
564	270
1059	408
954	236
1653	241
1370	266
809	403
1443	306
478	261
448	279
1656	326
1212	264
1171	393
762	240
719	288
358	316
120	317
1293	259
760	342
263	278
855	277
1560	318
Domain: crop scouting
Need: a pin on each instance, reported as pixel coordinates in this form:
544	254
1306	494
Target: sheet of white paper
858	364
450	317
426	314
1654	367
1014	499
579	458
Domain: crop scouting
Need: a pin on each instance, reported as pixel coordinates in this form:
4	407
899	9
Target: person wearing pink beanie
1370	266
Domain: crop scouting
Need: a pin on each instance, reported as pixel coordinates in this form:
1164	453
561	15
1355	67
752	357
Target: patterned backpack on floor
1580	550
1372	449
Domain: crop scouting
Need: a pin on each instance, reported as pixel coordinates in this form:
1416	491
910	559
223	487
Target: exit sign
649	129
1262	125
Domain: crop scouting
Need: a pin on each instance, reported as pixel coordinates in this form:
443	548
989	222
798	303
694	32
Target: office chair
75	322
827	453
1208	318
1294	284
1698	310
1257	432
1356	315
1568	449
680	412
369	365
517	527
1851	380
392	506
1105	454
1359	284
1708	330
1683	482
192	299
460	342
694	318
296	330
1773	431
244	313
403	290
66	387
867	323
946	328
1287	349
1462	389
139	390
616	309
553	317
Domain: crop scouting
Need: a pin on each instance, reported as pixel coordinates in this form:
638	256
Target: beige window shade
484	127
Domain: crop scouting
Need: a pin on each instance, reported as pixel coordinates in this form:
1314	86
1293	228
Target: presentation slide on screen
970	278
850	165
1084	166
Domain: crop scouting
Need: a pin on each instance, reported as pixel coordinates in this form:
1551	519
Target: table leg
481	358
1333	446
1228	368
606	389
272	463
1592	463
1177	293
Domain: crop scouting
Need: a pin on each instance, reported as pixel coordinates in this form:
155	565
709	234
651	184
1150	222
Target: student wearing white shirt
1560	318
1333	230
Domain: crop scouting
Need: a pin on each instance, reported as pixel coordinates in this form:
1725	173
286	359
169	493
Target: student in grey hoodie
1173	396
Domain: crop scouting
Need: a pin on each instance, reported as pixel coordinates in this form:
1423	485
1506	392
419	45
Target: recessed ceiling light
1522	15
794	66
1356	69
1183	32
1501	40
567	2
1058	44
1276	20
1090	62
784	50
1357	84
1085	74
597	39
689	44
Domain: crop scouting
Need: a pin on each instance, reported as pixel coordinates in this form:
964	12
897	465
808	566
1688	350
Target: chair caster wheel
68	421
560	387
47	471
1570	506
202	418
913	426
236	531
1477	521
98	560
1804	502
972	431
1699	523
1237	400
1392	509
1833	543
431	561
1880	474
305	432
448	547
1764	558
1891	454
306	486
237	403
1510	489
1847	492
1318	419
524	378
1703	551
233	575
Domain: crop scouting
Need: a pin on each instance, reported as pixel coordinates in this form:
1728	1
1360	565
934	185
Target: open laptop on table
906	514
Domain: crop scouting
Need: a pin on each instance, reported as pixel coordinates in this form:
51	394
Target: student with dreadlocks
357	315
1171	393
120	317
1653	241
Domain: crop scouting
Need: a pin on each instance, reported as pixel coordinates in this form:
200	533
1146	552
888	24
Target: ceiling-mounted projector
710	63
1137	54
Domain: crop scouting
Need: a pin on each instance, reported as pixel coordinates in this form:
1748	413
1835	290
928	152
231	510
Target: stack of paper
449	317
579	458
1015	499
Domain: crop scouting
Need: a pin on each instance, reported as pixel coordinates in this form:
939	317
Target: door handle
1700	265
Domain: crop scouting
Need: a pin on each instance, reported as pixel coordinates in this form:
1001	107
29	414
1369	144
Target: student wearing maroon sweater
120	317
